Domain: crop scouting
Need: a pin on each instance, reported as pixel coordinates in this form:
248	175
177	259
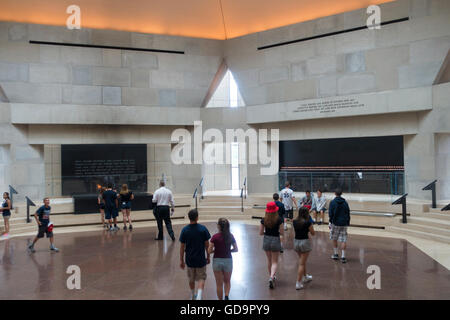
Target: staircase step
429	229
444	215
438	223
419	234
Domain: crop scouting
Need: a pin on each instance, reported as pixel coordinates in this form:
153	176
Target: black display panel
357	153
84	168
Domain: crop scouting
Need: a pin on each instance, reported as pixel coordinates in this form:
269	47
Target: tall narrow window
235	166
227	94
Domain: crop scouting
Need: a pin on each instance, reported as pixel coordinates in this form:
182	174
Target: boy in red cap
42	217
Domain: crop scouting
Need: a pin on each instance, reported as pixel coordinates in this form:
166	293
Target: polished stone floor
131	265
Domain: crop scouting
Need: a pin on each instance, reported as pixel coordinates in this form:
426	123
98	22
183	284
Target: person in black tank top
125	198
302	245
6	212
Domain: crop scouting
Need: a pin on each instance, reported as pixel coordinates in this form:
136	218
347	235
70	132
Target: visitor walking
6	213
339	215
272	228
125	198
42	216
194	240
222	244
281	211
163	197
302	244
288	199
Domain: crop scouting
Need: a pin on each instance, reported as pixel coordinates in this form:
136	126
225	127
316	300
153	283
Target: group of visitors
110	202
196	242
277	215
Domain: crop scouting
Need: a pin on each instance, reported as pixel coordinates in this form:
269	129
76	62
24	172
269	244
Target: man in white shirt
288	199
163	197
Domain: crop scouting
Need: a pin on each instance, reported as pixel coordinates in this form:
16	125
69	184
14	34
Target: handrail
194	196
432	186
201	186
29	203
12	192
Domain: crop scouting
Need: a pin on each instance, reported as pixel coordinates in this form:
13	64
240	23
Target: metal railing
195	195
243	193
432	186
349	181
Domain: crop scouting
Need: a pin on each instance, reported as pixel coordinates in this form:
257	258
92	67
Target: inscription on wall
329	106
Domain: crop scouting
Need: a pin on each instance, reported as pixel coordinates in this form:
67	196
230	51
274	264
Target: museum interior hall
222	104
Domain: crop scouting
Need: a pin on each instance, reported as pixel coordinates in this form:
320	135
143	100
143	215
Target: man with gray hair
163	197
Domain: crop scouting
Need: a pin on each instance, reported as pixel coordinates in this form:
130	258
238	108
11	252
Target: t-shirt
286	197
110	196
194	237
44	214
281	210
221	250
301	231
126	197
307	201
275	230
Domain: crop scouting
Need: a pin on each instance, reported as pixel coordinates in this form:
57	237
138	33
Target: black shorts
111	213
101	206
289	214
43	229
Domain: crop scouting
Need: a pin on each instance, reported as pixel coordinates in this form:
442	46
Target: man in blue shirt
42	217
194	240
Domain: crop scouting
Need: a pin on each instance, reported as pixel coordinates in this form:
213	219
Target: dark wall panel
84	167
342	152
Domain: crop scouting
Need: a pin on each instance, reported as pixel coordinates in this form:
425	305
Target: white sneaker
298	285
307	278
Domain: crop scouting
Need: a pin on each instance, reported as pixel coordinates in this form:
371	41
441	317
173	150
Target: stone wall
33	73
401	55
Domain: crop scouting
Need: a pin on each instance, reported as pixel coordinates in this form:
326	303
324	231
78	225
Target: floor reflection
131	265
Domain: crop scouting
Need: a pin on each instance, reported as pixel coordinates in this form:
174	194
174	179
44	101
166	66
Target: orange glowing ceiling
215	19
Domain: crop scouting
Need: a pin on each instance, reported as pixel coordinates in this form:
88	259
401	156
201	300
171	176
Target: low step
429	229
438	223
419	234
444	215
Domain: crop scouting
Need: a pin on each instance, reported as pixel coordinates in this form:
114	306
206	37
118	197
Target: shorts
43	229
101	206
223	264
289	214
125	205
110	213
302	245
338	233
6	214
196	274
271	243
318	211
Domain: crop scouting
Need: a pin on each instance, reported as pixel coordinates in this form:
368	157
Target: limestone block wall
443	165
51	74
401	55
